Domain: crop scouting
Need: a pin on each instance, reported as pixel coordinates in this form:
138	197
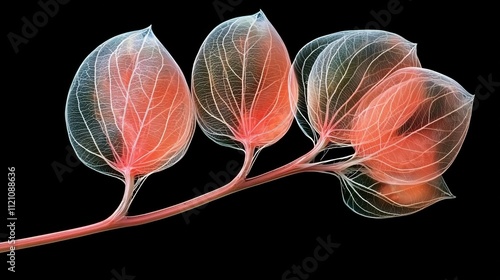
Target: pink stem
119	219
76	232
299	165
198	201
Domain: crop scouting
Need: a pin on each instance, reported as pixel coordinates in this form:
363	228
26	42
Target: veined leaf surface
373	199
241	84
344	71
129	109
409	128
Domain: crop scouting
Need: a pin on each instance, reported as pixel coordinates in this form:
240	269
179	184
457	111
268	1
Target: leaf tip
260	16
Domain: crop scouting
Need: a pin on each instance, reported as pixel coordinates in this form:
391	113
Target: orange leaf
337	70
129	109
241	84
369	198
409	128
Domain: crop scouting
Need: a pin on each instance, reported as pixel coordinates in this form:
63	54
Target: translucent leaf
302	66
345	70
373	199
129	109
409	128
241	84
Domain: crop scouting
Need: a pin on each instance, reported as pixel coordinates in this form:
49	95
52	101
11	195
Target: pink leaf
241	84
409	128
373	199
344	71
129	109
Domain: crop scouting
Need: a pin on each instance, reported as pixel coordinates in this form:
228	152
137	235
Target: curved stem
128	195
76	232
119	219
301	164
237	184
198	201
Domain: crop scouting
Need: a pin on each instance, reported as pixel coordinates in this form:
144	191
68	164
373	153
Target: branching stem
119	219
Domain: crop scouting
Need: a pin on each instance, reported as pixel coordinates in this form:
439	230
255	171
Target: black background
261	232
